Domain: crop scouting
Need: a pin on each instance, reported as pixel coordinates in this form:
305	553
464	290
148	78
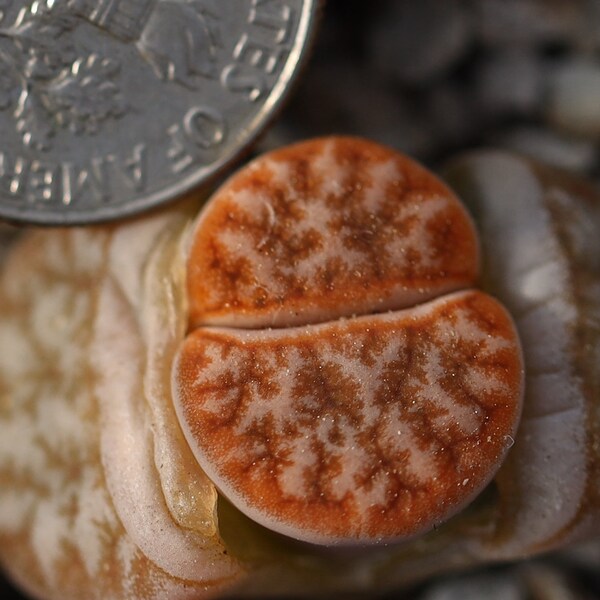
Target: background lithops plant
541	256
111	359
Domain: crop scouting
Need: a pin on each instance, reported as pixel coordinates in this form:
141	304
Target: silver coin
111	107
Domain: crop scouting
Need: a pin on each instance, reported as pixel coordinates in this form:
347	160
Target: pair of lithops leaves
315	346
342	381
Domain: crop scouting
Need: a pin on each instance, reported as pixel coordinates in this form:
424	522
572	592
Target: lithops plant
195	406
364	429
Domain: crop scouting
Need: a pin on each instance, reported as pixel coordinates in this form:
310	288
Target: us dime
110	107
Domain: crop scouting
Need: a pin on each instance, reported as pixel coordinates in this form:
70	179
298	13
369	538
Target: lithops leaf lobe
328	227
361	429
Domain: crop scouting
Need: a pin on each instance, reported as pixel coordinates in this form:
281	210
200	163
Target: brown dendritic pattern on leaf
327	226
364	428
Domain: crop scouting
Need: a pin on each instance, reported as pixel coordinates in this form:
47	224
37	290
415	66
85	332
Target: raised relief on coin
177	37
59	87
179	41
85	84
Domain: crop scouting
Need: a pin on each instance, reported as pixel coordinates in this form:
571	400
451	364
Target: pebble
453	117
546	583
415	42
573	97
529	22
510	80
550	147
492	586
586	556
